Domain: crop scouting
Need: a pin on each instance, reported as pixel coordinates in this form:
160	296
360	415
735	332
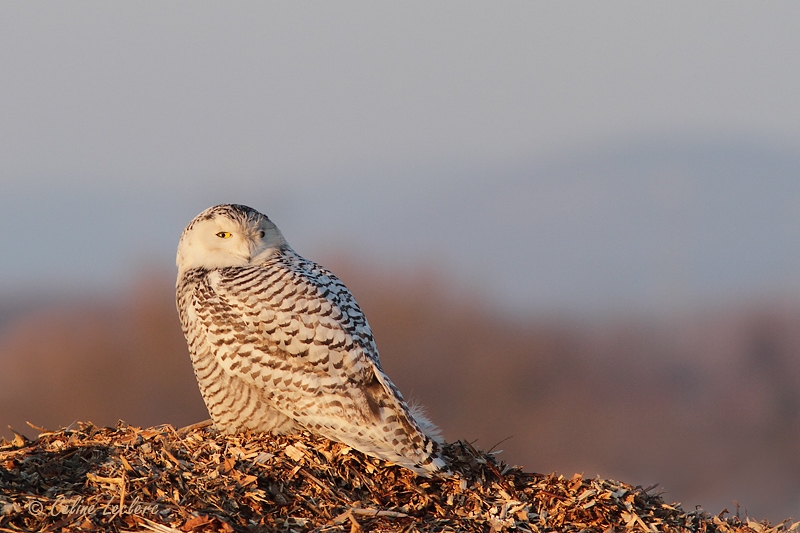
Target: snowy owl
279	344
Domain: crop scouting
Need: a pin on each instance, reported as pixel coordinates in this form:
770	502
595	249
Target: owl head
227	235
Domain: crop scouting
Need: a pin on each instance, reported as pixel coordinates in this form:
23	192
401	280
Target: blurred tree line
706	405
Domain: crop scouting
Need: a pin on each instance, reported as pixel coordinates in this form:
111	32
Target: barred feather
278	343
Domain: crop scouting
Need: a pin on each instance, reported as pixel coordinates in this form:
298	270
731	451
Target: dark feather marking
374	394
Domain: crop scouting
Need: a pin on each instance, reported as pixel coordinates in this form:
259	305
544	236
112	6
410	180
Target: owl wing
294	333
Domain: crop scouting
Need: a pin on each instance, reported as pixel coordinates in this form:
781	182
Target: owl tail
403	434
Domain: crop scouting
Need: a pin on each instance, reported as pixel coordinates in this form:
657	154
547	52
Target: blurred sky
562	156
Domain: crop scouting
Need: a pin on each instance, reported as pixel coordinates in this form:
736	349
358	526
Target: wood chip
86	478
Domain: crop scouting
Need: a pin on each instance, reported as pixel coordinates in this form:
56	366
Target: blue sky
560	156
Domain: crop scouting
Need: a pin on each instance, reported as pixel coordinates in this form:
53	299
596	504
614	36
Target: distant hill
659	223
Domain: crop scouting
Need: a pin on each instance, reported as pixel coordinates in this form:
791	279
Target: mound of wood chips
87	478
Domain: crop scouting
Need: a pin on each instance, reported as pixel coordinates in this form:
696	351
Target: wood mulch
88	478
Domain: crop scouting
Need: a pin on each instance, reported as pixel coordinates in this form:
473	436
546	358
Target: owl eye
224	234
